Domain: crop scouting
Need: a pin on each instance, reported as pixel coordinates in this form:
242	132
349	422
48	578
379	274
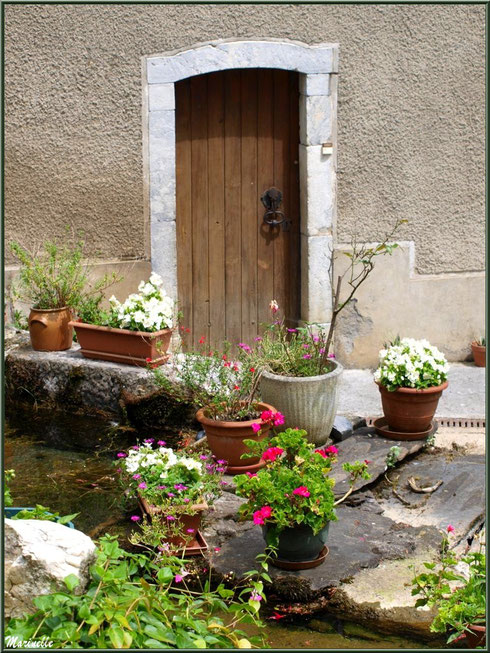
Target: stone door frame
317	66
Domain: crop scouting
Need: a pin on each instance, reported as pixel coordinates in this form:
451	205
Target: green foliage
56	276
481	341
133	601
294	487
9	474
20	321
392	456
44	514
460	597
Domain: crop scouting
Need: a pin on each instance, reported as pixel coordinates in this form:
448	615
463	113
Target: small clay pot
50	329
409	410
225	439
184	519
479	354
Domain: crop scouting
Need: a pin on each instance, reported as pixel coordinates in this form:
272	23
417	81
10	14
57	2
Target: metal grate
452	422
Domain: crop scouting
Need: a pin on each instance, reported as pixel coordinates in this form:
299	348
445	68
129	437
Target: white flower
156	280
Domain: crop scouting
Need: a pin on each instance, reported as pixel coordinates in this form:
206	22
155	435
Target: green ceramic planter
299	544
11	511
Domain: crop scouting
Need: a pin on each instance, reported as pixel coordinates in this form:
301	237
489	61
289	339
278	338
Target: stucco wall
411	117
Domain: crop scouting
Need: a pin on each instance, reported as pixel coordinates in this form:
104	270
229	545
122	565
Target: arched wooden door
237	135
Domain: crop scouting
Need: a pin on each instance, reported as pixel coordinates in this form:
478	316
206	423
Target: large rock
38	556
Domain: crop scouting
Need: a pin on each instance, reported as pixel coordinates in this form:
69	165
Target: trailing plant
392	456
56	276
409	363
166	478
294	487
456	586
45	514
141	602
9	474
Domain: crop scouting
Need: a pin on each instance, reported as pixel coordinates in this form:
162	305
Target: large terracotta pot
409	410
307	402
298	543
225	439
184	520
479	354
122	345
50	329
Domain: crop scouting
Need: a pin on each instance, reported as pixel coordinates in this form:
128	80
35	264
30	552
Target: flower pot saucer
305	564
243	469
198	546
385	431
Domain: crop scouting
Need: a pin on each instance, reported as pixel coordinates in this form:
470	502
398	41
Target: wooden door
237	135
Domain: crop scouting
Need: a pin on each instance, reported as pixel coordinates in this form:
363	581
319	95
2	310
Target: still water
66	463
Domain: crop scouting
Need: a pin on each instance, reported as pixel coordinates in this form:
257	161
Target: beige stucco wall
410	123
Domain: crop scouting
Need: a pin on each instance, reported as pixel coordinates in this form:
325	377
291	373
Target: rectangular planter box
123	345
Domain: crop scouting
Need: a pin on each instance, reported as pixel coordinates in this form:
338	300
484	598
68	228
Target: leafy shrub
142	603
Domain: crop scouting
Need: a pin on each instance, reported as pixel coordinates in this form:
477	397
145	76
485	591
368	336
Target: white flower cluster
146	456
207	373
150	310
411	364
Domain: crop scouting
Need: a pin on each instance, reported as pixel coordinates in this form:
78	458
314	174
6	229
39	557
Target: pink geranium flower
136	476
301	491
331	451
278	419
122	455
450	528
266	416
321	452
272	453
135	517
256	427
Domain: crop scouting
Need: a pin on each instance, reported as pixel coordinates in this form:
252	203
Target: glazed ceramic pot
226	440
308	402
50	329
409	410
140	348
298	544
479	354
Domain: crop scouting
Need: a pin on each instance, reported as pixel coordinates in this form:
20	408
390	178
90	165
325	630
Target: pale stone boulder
38	556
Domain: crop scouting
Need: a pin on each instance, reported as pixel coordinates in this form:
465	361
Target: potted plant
292	496
173	487
54	282
300	375
224	390
136	332
479	349
411	377
456	586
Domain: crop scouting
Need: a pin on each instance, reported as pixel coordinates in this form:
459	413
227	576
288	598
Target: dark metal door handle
273	217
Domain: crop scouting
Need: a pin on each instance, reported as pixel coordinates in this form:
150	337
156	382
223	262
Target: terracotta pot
123	345
309	402
225	440
479	354
184	520
50	329
409	410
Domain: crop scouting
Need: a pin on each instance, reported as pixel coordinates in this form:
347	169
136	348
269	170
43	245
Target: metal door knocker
272	199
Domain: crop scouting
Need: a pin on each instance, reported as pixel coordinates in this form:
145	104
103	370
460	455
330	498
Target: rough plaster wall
411	117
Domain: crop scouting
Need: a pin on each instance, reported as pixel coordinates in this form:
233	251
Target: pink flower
307	356
266	511
178	578
186	500
316	339
136	476
258	339
278	419
331	451
191	530
221	462
149	440
305	346
118	470
135	517
450	528
254	596
203	457
135	447
250	475
272	453
292	330
217	548
273	306
142	486
331	356
170	494
256	427
321	452
258	518
122	455
368	462
170	518
161	443
302	491
245	347
322	350
266	415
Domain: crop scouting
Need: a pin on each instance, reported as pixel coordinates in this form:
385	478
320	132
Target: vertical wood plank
200	241
281	181
249	204
265	179
294	277
232	194
216	212
184	199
